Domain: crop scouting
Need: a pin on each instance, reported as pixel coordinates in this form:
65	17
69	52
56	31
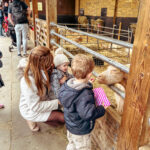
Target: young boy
60	73
77	98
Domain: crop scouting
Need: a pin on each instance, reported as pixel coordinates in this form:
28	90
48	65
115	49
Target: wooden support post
138	85
48	23
34	15
77	7
51	16
120	24
115	12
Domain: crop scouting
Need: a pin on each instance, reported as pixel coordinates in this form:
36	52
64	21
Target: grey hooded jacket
56	76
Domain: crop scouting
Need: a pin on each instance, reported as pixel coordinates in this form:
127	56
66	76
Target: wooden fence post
138	85
27	2
51	16
48	22
34	15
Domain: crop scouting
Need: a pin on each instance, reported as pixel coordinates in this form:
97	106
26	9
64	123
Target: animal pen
128	131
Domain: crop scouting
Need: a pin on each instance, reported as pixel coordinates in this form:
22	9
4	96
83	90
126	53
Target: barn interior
111	29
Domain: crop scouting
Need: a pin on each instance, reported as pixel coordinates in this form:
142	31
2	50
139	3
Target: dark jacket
80	111
5	10
1	16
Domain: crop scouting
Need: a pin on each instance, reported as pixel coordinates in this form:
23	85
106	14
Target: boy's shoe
33	126
19	55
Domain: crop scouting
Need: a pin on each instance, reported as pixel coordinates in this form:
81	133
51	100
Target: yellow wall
126	8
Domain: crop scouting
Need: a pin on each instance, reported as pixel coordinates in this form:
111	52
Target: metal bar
91	25
111	40
112	62
115	89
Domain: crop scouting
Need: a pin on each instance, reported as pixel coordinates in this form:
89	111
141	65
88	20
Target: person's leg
56	118
71	145
82	142
24	37
1	34
18	37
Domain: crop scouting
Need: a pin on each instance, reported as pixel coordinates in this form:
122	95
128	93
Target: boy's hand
91	80
62	81
104	106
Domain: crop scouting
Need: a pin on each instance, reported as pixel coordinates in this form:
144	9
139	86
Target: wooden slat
138	85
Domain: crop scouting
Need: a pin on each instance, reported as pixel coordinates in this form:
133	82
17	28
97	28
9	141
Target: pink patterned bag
100	97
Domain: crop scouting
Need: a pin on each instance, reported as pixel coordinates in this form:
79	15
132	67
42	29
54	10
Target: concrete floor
14	132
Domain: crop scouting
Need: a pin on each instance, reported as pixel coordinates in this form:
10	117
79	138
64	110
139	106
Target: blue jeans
1	30
21	34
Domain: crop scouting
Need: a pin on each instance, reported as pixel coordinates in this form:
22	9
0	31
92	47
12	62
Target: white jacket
33	107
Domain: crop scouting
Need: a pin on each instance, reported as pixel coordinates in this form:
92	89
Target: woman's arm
33	100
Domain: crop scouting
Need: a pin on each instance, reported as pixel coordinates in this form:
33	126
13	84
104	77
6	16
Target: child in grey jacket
60	73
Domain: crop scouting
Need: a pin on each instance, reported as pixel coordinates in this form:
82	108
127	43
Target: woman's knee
56	116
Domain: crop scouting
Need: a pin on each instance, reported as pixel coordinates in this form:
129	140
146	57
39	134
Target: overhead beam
138	85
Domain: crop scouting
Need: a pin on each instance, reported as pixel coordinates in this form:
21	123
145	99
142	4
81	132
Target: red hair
40	59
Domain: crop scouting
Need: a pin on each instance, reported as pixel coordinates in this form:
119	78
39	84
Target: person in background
5	11
1	80
18	12
77	98
1	20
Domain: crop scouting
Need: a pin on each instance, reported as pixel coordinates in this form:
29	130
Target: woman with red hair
36	105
